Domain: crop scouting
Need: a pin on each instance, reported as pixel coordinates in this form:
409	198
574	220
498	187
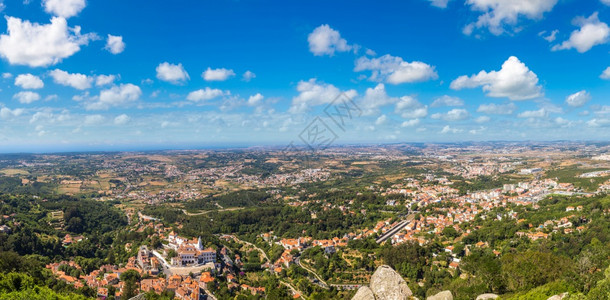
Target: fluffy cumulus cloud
114	44
410	123
605	74
540	113
121	119
26	97
374	99
448	129
500	15
592	32
514	81
172	73
205	94
7	113
75	80
497	109
29	81
457	114
409	108
248	75
116	96
447	101
102	80
326	41
578	99
255	100
395	70
220	74
40	45
64	8
314	93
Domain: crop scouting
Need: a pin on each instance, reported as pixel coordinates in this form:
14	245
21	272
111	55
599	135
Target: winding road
321	283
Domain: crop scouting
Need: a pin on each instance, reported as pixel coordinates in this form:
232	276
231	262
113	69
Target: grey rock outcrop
487	296
364	293
385	284
558	297
444	295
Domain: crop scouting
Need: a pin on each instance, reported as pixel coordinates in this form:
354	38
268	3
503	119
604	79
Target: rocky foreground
387	284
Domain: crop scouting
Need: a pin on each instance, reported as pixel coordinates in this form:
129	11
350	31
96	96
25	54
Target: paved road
294	291
250	244
322	283
209	211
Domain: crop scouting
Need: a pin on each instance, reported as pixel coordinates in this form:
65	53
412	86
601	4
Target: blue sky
106	75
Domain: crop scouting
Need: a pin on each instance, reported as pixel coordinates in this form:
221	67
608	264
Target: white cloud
172	73
312	93
482	119
205	94
381	120
326	41
116	96
255	99
220	74
7	75
29	81
497	109
550	37
26	97
6	113
248	75
439	3
541	113
592	32
409	108
395	70
477	131
606	2
562	122
449	129
374	98
102	80
94	119
447	101
514	81
457	114
75	80
410	123
121	119
601	122
64	8
39	45
115	44
578	99
605	74
499	15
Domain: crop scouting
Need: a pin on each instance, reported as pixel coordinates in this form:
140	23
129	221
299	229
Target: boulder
487	296
444	295
364	293
386	284
558	297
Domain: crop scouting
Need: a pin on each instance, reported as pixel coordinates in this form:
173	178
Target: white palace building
190	252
